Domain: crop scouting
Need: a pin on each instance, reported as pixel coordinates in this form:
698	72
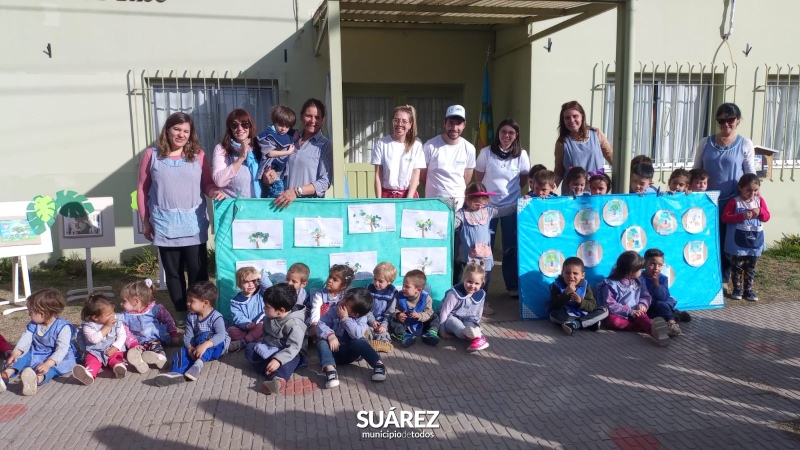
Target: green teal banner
409	233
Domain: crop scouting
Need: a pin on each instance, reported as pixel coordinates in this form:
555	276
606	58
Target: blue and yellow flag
485	131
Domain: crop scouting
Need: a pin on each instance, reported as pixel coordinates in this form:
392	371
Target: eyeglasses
728	120
235	125
508	133
400	122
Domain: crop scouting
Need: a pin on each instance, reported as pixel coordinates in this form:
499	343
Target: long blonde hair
411	135
192	146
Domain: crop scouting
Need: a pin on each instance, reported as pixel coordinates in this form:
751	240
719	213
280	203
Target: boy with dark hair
276	144
679	181
542	183
534	170
282	348
698	180
205	338
413	315
642	179
341	337
662	305
572	304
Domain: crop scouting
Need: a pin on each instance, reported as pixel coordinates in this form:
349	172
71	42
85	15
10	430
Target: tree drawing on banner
259	237
268	274
424	263
424	225
318	234
41	212
551	260
373	220
355	266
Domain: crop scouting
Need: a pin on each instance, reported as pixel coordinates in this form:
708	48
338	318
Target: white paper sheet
362	263
275	269
319	232
258	234
371	218
431	260
422	224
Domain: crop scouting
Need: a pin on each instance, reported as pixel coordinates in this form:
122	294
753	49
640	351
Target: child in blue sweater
572	304
625	295
383	305
413	315
663	305
247	308
341	337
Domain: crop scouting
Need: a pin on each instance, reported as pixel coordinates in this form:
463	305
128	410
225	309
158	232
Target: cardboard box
764	157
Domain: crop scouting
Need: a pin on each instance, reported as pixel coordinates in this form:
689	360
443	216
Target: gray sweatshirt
288	333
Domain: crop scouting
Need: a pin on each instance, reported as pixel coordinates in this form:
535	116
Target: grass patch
787	247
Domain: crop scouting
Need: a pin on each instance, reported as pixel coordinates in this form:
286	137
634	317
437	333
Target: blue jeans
285	371
182	360
349	351
508	226
661	309
24	362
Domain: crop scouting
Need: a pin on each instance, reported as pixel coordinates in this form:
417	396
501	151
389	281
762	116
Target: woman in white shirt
503	167
398	157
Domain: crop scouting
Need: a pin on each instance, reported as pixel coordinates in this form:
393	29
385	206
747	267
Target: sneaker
750	296
471	332
409	340
379	373
567	328
513	294
431	337
157	359
236	345
30	381
488	310
659	331
273	386
193	373
682	316
399	337
3	382
331	379
82	374
135	359
381	347
120	370
478	344
737	294
673	329
166	379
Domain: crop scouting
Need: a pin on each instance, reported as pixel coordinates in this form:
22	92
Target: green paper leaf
72	204
42	208
135	200
37	225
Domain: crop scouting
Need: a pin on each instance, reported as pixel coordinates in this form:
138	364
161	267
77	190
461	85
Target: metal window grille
780	88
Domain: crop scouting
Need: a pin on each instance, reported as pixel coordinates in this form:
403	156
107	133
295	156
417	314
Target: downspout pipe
623	111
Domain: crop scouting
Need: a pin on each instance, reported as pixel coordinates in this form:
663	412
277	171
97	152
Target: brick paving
728	382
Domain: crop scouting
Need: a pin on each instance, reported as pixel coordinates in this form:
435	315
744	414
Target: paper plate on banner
591	253
634	238
551	223
664	222
695	253
550	263
587	221
615	212
668	272
694	220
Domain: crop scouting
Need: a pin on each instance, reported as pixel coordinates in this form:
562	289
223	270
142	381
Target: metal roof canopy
332	15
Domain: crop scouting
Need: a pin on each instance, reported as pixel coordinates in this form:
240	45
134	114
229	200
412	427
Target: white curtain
781	122
209	106
430	114
368	119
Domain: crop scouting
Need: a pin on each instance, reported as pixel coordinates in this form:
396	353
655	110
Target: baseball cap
456	111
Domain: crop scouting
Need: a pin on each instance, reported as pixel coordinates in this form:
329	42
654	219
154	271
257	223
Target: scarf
252	165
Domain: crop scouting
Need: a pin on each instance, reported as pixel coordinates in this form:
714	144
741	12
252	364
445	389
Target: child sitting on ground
297	277
698	180
276	144
5	351
413	314
662	305
599	183
642	179
462	309
101	339
576	181
205	338
383	305
341	337
625	295
45	348
679	181
572	304
542	184
247	308
339	278
282	349
148	325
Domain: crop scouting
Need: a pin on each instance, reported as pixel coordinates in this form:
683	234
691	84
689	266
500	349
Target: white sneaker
120	370
82	374
135	359
157	359
30	381
2	385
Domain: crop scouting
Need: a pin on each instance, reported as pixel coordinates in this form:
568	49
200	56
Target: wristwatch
299	191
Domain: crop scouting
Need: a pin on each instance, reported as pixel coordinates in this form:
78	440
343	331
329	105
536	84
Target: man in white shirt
450	159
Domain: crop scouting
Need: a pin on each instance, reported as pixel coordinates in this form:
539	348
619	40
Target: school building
86	85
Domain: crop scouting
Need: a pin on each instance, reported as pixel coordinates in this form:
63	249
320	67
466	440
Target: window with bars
209	101
781	118
369	111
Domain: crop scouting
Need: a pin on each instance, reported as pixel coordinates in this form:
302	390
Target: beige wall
675	31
